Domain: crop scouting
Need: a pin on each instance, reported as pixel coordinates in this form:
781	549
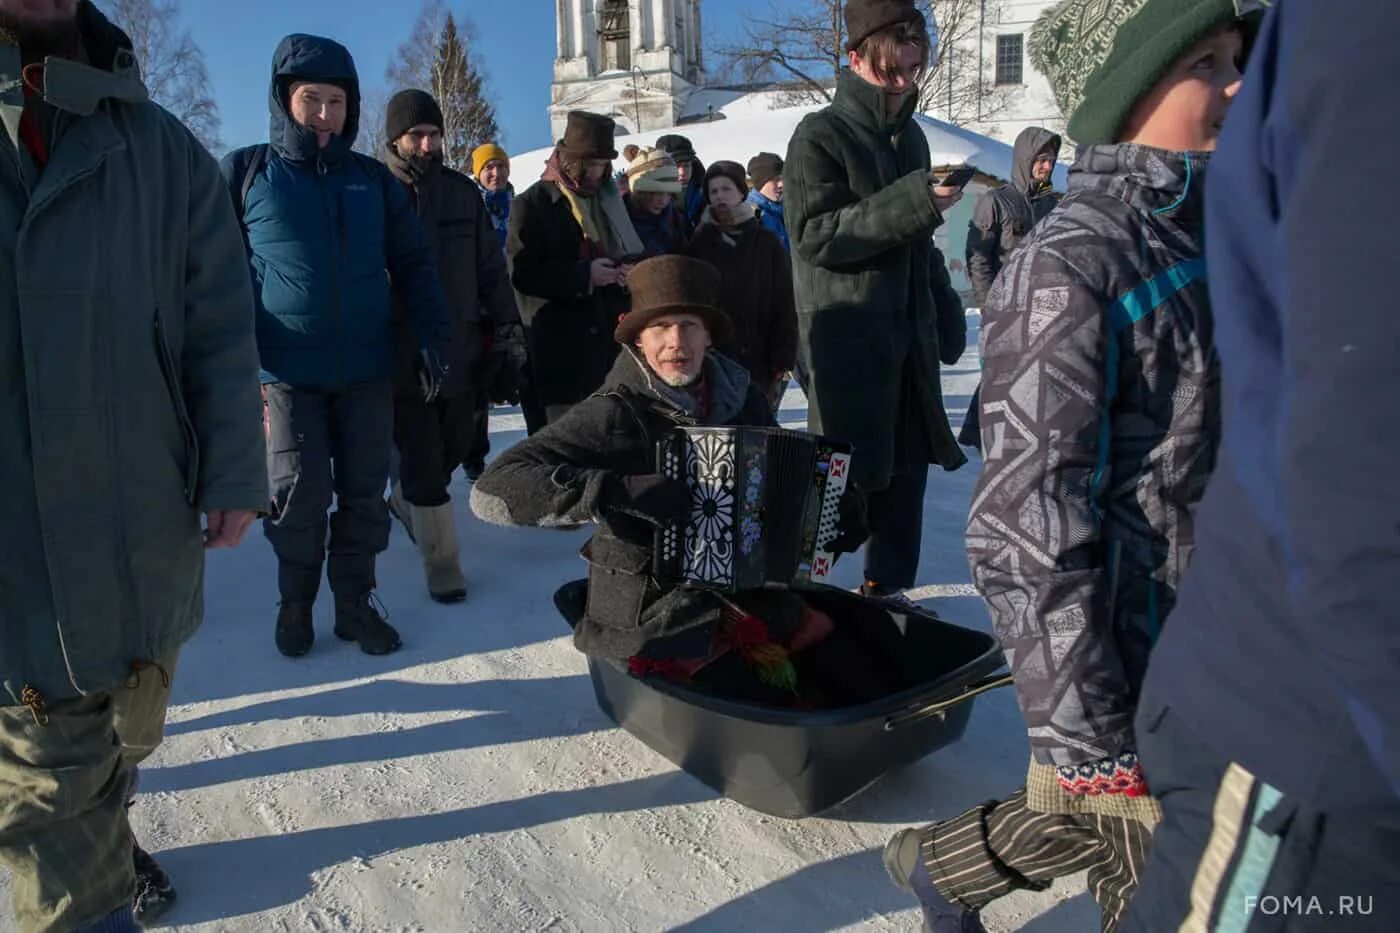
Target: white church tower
633	60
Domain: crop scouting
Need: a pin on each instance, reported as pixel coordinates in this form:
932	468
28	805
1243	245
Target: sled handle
940	709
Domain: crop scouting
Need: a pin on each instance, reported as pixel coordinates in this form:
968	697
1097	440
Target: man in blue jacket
1269	725
766	194
330	235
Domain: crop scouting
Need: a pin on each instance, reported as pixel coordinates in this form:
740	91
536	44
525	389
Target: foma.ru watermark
1345	905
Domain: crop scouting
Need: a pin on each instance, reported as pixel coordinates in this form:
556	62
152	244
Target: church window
615	35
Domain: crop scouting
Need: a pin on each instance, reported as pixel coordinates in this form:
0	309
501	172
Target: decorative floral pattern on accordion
709	533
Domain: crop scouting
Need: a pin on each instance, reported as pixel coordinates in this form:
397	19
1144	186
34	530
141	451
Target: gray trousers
323	446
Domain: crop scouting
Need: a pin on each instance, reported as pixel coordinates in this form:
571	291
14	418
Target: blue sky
515	44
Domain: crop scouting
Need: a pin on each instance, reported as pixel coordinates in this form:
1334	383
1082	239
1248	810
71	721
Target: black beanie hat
864	18
765	167
731	170
408	109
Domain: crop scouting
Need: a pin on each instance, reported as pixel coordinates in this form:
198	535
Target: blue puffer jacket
329	233
770	215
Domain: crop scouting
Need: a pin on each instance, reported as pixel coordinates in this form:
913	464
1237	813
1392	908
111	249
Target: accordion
764	505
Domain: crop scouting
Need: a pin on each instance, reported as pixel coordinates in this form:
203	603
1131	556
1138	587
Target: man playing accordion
598	464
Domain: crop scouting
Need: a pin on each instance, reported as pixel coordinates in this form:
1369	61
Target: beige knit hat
653	170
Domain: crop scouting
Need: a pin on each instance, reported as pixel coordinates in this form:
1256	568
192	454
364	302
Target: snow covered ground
470	783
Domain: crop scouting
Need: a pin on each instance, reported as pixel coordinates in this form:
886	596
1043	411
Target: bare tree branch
805	40
172	64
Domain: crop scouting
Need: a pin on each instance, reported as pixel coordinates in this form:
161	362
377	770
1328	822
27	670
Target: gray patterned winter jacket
1100	419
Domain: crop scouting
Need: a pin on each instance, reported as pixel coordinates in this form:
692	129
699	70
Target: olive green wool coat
129	395
861	219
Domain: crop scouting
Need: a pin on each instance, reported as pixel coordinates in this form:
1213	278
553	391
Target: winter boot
437	541
295	630
154	893
905	865
474	470
361	617
400	509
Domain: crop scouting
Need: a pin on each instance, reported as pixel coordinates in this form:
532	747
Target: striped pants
996	848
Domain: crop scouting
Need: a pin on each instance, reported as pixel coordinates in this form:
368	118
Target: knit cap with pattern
653	170
1103	56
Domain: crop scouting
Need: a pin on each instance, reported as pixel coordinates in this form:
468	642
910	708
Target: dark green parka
861	219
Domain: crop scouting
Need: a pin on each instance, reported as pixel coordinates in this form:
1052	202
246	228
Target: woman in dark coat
569	234
756	283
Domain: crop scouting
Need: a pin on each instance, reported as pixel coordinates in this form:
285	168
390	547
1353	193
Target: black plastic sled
795	763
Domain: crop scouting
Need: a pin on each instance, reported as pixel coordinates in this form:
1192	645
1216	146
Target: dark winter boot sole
450	597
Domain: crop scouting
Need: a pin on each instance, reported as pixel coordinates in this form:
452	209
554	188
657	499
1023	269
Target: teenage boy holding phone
862	205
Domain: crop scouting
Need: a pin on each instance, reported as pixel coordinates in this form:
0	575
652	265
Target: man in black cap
691	171
570	246
435	437
865	272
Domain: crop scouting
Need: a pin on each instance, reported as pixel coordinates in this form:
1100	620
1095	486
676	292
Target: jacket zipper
172	385
336	248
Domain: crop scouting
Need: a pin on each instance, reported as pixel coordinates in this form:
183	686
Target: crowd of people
303	326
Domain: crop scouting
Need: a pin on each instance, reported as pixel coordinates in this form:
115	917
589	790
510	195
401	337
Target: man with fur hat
326	297
598	464
652	185
570	247
755	277
1101	419
435	437
861	207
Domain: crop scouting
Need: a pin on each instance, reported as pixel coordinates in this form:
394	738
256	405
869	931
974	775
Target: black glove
506	373
432	373
852	525
649	496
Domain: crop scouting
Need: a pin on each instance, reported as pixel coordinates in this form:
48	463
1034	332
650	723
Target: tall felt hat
672	285
589	135
1103	56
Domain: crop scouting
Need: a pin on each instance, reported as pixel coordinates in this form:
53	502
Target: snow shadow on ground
504	712
851	889
204	869
241	596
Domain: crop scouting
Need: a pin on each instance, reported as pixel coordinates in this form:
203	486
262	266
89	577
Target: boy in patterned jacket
1100	421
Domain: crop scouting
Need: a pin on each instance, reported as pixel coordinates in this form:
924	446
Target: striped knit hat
653	170
1103	56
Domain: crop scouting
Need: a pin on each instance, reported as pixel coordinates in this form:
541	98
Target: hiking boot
905	864
362	618
295	630
889	594
437	542
154	893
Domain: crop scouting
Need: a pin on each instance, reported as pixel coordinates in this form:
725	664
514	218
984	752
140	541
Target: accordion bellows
764	505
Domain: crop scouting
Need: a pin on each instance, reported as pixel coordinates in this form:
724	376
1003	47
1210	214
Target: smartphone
957	178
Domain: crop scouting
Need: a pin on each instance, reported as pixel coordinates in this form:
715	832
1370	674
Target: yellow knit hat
487	152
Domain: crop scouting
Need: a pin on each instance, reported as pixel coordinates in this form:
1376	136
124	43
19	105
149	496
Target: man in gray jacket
128	406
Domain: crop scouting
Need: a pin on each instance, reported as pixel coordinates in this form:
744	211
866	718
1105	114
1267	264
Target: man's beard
39	39
681	380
